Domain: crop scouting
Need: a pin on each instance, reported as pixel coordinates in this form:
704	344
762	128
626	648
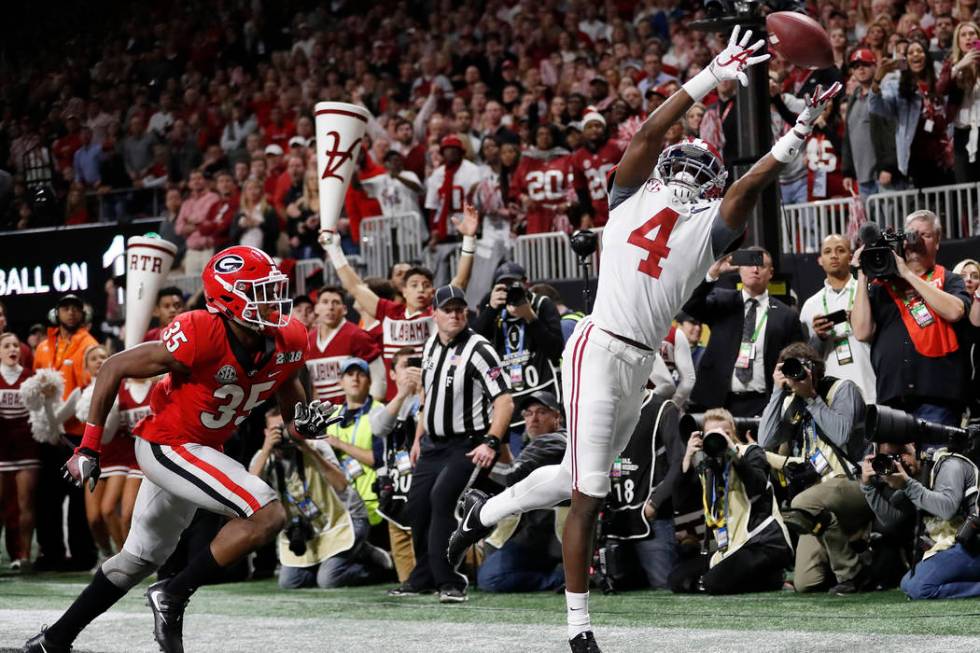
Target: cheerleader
20	454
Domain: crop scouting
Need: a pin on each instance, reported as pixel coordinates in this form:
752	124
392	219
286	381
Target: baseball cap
70	298
273	150
682	317
36	328
543	397
599	79
509	270
295	141
352	362
863	55
450	141
446	294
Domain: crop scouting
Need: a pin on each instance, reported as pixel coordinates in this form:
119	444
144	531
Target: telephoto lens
715	444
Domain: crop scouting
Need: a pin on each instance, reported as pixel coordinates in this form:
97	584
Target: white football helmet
692	169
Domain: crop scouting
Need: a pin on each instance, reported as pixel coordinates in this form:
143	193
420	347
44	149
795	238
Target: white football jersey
655	251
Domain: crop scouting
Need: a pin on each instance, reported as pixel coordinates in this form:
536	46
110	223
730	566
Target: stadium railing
109	205
550	255
955	204
806	225
387	239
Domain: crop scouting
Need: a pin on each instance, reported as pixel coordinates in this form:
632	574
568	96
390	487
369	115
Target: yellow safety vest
359	434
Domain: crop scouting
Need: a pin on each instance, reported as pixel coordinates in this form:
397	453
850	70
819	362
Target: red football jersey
548	185
206	405
325	358
134	404
590	171
400	330
14	424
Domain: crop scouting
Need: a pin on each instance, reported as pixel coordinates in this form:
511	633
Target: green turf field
258	617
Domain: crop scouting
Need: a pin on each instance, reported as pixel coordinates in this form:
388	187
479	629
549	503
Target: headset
86	312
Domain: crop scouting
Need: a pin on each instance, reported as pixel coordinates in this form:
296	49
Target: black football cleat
40	644
470	530
584	643
168	617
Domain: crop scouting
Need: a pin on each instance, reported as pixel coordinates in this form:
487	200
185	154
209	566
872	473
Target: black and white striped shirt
461	380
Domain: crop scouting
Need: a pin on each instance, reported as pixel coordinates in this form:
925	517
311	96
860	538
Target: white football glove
815	106
734	59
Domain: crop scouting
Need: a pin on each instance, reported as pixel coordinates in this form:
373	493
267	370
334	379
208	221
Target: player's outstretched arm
744	193
644	149
288	395
349	279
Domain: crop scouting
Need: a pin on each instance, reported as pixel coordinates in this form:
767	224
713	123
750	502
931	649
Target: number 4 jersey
655	251
225	382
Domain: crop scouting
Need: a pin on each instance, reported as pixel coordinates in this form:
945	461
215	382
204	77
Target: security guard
467	407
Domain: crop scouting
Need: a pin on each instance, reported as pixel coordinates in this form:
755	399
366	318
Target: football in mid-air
799	39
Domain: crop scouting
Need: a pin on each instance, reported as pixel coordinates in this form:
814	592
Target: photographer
827	313
947	505
525	553
752	543
325	540
813	428
908	318
396	425
525	330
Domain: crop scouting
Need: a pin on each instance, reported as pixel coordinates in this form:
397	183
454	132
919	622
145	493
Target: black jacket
723	310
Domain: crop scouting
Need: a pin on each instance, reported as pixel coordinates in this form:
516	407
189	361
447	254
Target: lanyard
710	518
902	295
759	326
850	300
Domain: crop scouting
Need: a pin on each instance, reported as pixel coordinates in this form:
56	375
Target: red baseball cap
450	141
863	55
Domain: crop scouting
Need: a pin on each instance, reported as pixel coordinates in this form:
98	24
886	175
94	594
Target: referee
467	407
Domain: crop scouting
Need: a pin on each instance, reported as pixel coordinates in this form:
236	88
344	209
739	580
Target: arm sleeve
769	422
382	422
947	494
955	286
546	330
837	421
885	512
884	102
703	303
485	367
620	194
753	469
685	370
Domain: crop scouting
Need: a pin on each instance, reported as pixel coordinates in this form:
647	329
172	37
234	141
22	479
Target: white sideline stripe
130	632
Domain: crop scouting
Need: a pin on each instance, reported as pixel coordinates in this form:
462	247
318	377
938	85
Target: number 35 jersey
655	251
224	384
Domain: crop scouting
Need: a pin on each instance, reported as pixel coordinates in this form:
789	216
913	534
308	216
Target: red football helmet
243	284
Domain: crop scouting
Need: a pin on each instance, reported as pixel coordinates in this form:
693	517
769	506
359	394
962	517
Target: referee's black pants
440	476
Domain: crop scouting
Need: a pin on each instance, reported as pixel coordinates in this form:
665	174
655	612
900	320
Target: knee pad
594	485
124	570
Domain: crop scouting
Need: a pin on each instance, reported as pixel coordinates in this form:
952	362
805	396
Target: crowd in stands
538	99
519	109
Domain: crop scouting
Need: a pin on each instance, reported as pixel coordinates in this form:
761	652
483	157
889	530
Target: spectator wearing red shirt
64	148
218	222
193	213
289	186
278	129
274	167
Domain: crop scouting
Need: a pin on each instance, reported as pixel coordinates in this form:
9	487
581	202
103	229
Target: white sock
577	612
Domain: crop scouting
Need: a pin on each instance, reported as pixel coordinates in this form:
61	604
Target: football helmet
243	284
692	169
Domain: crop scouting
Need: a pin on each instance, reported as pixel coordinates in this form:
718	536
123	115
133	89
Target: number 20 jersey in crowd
224	384
656	249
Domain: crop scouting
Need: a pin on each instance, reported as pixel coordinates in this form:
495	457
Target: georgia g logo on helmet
228	264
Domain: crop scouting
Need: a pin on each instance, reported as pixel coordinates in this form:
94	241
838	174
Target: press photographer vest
333	524
943	531
737	512
527	369
837	462
357	431
632	475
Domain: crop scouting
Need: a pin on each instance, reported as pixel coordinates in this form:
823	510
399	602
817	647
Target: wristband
787	147
492	442
91	438
336	255
469	245
701	84
976	294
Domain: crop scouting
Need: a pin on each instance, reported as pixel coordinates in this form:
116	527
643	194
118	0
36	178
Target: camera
795	368
877	259
299	531
517	294
885	463
692	422
584	243
884	424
